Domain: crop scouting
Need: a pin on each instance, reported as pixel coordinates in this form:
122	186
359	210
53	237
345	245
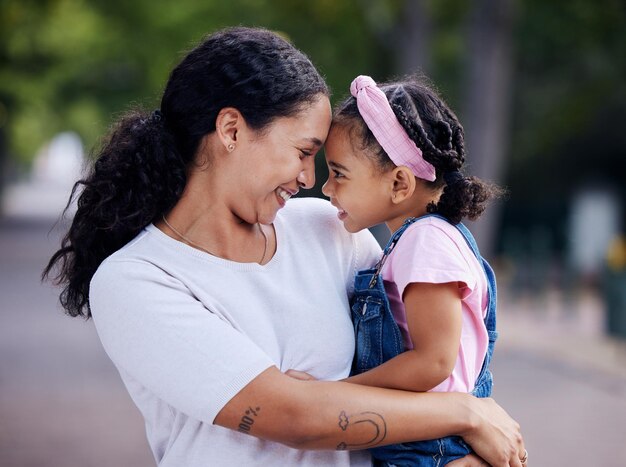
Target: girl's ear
403	184
228	123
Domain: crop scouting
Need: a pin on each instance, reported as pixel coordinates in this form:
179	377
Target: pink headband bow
383	123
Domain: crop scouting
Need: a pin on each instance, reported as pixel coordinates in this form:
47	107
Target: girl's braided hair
436	130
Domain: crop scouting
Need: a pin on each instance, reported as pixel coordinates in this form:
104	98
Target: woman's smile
284	195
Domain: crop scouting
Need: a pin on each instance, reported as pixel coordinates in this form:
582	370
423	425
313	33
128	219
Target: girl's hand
468	461
301	375
495	436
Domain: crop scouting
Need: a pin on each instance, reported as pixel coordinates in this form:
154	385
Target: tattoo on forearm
375	421
245	425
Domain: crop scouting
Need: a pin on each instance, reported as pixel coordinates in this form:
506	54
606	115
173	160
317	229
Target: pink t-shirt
433	251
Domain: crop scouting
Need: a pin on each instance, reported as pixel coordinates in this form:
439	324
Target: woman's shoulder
119	268
312	213
316	220
134	260
310	207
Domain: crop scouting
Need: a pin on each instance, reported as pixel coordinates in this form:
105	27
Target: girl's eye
337	174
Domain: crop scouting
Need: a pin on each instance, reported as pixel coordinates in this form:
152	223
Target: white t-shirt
187	330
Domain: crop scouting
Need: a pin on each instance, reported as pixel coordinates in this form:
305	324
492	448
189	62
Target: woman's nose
306	178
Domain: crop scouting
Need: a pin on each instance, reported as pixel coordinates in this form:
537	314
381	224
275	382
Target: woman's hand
301	375
494	435
468	461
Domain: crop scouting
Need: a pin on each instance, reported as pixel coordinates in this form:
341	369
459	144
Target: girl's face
355	186
281	160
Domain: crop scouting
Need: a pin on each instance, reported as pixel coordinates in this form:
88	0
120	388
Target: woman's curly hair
140	170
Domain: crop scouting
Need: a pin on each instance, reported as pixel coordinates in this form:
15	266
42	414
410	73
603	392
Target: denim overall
378	339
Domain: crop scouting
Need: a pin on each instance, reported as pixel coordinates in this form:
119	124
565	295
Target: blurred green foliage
571	73
569	109
77	64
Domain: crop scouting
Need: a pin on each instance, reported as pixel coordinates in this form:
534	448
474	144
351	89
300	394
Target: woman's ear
403	184
227	126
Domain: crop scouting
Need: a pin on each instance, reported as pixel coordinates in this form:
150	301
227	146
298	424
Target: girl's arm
338	415
433	314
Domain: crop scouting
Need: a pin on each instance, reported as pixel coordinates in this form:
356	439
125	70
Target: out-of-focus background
540	87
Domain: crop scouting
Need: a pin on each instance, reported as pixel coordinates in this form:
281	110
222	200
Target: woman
204	279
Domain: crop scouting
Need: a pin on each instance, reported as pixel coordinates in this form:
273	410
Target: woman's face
279	160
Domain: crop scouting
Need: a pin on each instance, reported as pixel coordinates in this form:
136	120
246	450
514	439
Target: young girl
424	317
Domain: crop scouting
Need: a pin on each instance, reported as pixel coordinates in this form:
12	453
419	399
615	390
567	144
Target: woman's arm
195	362
433	314
339	415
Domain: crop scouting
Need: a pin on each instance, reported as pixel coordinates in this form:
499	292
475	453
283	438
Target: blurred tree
466	48
76	64
47	50
487	108
414	43
570	106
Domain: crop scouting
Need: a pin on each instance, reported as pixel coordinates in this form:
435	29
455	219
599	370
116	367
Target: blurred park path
564	381
62	403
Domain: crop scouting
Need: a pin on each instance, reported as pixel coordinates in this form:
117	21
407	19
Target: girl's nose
326	188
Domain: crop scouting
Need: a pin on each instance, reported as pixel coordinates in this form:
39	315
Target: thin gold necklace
200	247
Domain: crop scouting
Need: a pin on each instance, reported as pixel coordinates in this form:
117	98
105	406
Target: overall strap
490	319
390	246
394	239
484	377
391	243
469	238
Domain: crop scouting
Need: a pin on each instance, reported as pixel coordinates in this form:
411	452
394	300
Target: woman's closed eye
337	174
305	153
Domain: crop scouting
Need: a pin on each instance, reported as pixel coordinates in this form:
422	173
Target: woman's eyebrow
313	141
336	165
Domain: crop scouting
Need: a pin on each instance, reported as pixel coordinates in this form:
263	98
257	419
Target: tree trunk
413	41
488	102
3	163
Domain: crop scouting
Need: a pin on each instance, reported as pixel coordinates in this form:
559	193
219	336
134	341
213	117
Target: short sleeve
430	254
156	332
